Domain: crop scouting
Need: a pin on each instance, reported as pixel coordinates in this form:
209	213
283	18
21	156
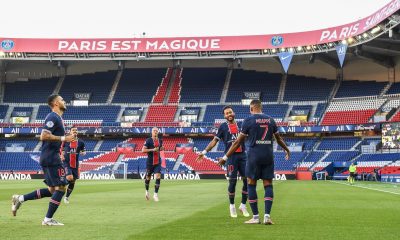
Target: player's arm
48	136
210	146
235	145
283	145
83	151
146	150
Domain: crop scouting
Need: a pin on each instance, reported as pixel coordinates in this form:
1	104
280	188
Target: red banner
194	44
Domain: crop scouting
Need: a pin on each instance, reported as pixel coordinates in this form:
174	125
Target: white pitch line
379	190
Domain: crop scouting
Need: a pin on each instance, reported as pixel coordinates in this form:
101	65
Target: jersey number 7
265	131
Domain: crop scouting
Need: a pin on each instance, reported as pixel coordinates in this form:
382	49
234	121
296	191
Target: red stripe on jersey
234	129
156	159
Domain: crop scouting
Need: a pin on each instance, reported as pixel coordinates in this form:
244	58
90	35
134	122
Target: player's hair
51	98
256	103
226	107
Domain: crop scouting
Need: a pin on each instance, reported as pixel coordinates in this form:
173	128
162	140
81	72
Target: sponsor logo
281	177
7	44
362	127
277	41
177	176
283	58
90	176
15	176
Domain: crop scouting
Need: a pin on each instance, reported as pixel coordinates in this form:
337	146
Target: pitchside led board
391	135
81	99
249	96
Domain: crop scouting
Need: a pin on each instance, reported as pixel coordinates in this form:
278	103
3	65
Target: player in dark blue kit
152	147
70	157
228	132
259	129
53	134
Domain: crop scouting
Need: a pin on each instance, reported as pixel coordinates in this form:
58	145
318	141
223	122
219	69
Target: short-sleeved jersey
50	155
259	129
228	133
71	152
153	158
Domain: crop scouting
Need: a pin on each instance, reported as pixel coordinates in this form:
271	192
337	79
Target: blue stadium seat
32	91
301	88
252	81
338	143
138	85
394	89
359	88
202	85
99	84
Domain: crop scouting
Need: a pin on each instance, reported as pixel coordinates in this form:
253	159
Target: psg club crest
7	45
277	41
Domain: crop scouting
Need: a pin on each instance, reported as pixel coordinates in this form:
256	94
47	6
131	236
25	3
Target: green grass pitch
199	210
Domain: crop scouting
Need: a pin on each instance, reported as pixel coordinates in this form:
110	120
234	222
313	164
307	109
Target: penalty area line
379	190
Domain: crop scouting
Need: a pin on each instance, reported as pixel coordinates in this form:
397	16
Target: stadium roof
177	18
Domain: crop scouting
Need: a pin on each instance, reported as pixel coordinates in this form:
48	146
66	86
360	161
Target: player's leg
242	172
71	178
268	200
157	175
17	200
57	179
252	176
149	172
267	175
232	170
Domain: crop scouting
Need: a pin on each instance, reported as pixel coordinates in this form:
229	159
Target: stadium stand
31	91
98	84
359	88
90	114
138	85
3	112
351	111
202	85
394	89
301	88
253	81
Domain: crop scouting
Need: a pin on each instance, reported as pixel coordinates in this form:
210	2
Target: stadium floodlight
350	40
365	35
274	50
330	44
344	41
291	49
308	47
375	30
2	54
283	49
299	48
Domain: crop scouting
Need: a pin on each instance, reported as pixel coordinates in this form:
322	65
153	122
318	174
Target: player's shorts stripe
231	194
54	201
38	194
268	199
253	201
244	192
